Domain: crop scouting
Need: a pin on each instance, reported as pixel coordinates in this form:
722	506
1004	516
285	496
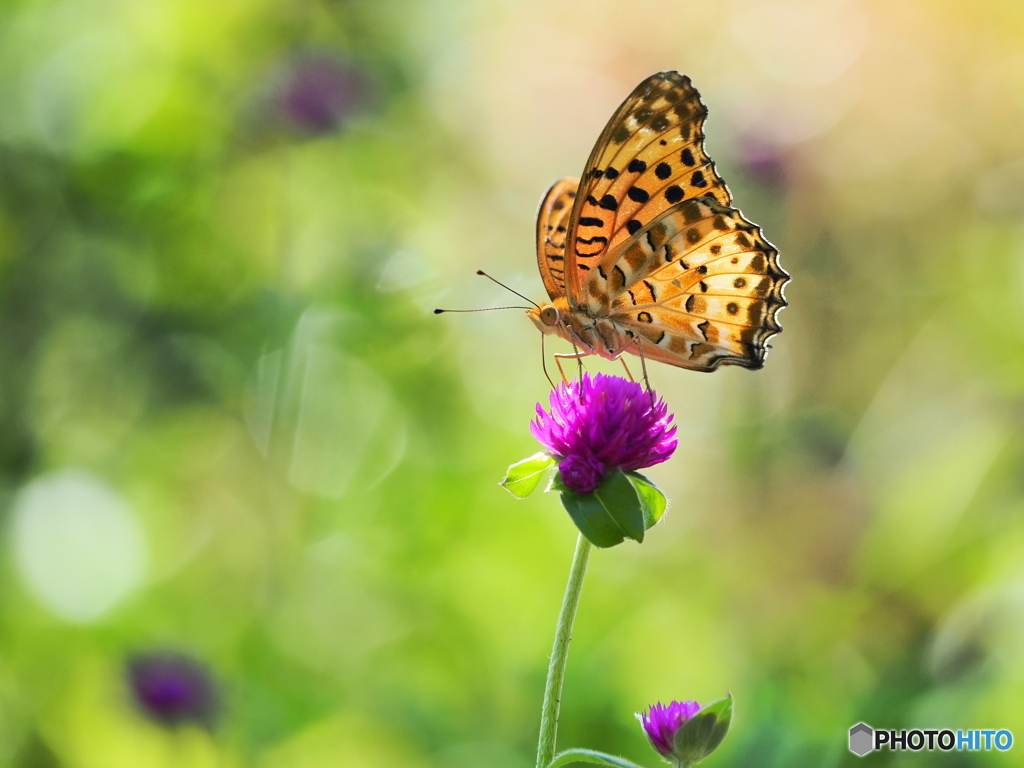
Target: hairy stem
560	654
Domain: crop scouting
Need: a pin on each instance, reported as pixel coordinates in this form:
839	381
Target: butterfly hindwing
700	285
552	231
649	158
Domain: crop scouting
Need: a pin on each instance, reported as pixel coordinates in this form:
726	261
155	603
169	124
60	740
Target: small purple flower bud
581	473
601	424
172	688
662	722
320	93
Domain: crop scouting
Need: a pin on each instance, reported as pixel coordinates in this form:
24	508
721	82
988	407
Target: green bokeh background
230	425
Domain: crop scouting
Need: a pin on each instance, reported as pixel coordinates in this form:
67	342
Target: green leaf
609	513
571	756
592	519
523	477
621	500
652	499
702	733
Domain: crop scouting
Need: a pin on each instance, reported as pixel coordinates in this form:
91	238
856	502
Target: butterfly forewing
552	231
649	158
700	285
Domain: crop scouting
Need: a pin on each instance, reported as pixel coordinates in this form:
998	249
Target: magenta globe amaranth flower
172	688
662	722
603	423
319	93
684	732
599	431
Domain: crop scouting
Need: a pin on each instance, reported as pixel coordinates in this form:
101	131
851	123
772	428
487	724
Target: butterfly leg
643	362
643	367
629	373
579	363
577	356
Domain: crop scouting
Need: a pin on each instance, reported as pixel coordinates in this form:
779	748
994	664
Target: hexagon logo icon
862	739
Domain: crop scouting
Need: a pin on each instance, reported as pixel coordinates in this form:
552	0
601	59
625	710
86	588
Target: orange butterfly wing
700	286
649	158
652	247
552	232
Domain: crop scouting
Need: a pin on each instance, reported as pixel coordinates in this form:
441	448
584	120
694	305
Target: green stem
560	654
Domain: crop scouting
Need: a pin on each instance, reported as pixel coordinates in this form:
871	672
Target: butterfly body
645	253
591	335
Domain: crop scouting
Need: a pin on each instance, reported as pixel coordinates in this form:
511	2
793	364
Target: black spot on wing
663	171
632	226
609	203
637	166
638	195
674	193
691	213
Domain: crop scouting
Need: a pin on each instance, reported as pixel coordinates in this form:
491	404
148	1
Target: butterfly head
547	317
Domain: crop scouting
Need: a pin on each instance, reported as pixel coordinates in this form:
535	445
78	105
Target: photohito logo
865	739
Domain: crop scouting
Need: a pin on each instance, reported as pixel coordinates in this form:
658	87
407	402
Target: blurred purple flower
612	423
765	161
319	93
662	722
172	688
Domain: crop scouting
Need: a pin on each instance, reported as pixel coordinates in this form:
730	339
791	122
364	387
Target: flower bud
683	732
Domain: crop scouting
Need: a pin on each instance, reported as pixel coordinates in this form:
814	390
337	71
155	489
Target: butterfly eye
549	315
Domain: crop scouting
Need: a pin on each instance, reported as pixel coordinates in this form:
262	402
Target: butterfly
646	254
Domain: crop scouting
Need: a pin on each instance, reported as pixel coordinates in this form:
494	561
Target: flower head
662	722
601	424
766	162
172	688
320	93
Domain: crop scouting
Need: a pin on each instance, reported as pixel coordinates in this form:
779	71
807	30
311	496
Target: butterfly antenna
517	293
544	362
484	309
